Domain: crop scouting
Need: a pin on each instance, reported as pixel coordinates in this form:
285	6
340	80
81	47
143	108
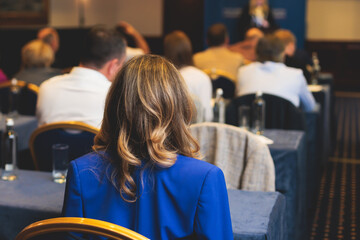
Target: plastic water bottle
14	98
9	152
316	69
258	109
219	107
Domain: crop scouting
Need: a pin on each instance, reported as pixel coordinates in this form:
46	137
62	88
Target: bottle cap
9	122
259	93
14	81
219	92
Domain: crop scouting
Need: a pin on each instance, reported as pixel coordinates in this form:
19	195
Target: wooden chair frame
214	73
71	125
20	83
76	224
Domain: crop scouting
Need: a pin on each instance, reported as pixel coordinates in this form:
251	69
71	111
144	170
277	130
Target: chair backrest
78	225
279	112
27	97
223	80
79	136
241	155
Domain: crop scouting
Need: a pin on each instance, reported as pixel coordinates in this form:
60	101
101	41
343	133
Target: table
322	94
33	197
24	127
290	159
258	215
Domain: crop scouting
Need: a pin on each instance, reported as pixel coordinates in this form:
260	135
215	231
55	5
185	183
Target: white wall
336	20
144	15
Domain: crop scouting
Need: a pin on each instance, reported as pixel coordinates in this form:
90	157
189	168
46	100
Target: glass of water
60	157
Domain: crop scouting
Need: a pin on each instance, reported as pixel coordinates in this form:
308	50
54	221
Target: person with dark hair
36	59
218	55
270	75
137	44
178	49
143	174
80	95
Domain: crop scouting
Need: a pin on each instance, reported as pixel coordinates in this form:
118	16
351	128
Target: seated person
3	77
137	44
294	57
218	55
143	174
247	47
37	57
270	75
51	37
80	95
178	49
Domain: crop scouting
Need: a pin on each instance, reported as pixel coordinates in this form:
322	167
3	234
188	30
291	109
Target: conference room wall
333	20
145	15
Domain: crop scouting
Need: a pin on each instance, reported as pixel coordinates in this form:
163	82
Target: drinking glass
60	157
244	117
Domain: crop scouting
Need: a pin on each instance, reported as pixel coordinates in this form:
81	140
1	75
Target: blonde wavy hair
37	54
253	5
147	114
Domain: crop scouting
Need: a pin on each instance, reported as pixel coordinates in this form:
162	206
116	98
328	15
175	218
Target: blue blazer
186	201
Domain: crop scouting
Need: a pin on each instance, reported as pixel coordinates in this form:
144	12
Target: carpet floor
337	214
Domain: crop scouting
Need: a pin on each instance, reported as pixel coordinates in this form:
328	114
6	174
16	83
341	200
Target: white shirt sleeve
306	98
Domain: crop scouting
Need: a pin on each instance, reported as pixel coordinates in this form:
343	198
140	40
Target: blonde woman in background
37	57
256	14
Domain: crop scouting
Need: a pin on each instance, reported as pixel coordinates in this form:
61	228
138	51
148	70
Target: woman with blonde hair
37	57
143	174
256	14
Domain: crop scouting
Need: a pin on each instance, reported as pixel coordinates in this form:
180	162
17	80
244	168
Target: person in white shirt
80	95
270	75
178	49
134	38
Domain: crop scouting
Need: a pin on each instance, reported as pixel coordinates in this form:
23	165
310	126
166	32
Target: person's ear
114	66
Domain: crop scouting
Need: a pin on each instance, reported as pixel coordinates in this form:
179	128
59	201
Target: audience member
137	44
178	49
247	47
294	57
80	95
270	75
50	36
37	57
143	173
3	77
218	55
256	13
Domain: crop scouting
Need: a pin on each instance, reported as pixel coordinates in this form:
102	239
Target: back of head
217	35
100	46
270	48
146	118
37	54
253	34
177	49
285	36
50	36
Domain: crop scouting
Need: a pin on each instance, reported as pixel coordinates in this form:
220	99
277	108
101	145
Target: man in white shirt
218	55
80	95
270	75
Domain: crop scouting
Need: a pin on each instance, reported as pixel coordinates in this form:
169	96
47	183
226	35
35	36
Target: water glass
60	157
244	117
